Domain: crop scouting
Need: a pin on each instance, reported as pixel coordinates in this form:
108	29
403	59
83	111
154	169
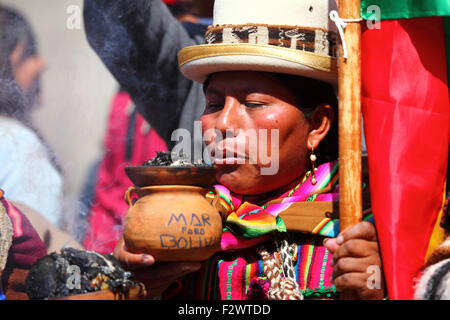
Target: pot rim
174	188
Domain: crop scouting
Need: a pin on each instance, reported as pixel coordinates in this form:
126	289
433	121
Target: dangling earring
313	159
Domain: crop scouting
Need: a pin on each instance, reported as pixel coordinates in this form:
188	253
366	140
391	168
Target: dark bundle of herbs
167	159
76	272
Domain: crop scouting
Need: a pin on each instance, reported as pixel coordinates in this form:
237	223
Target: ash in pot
76	272
167	159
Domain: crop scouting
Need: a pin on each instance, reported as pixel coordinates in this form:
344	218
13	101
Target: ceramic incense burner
171	219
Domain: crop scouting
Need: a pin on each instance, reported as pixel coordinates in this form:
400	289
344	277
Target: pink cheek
269	121
273	117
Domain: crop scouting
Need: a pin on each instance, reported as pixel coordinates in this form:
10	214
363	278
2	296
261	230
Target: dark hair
13	101
310	94
15	30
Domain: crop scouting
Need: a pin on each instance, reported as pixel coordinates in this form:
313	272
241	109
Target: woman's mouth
221	157
229	161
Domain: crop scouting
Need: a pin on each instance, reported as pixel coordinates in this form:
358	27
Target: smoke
140	49
17	40
110	39
74	218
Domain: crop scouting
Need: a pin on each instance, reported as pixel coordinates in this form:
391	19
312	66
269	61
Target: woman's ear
321	121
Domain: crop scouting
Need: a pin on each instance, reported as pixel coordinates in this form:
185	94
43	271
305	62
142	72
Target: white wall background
76	89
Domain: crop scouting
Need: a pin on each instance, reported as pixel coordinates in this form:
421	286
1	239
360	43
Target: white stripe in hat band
305	39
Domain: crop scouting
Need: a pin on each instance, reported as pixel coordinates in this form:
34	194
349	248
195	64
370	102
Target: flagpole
350	176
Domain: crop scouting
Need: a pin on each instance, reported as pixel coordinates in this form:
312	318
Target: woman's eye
253	105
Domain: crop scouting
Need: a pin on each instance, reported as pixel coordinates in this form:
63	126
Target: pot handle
128	195
215	202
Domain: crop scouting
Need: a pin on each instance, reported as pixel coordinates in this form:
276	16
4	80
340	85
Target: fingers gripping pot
172	223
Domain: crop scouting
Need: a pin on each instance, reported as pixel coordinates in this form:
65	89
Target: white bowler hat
285	36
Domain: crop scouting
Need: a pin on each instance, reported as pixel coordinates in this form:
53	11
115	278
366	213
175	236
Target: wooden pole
350	177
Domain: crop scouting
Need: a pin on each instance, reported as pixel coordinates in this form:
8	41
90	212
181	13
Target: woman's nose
230	117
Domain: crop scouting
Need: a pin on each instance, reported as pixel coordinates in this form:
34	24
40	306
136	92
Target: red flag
406	114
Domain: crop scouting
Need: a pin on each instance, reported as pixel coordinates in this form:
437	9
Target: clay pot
142	176
172	223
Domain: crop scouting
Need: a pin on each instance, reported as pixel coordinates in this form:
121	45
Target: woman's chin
247	179
227	174
238	179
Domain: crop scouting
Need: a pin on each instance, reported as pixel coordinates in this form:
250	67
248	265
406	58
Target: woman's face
257	136
26	72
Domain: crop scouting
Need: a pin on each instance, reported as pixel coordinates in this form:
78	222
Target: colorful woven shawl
237	272
248	224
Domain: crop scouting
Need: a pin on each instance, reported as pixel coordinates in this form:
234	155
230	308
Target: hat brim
197	62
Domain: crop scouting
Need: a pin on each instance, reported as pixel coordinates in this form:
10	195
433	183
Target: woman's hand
156	277
357	262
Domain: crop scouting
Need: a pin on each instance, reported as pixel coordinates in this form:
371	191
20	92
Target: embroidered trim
230	280
279	270
317	41
6	236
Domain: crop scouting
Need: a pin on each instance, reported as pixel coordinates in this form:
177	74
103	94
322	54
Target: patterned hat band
317	41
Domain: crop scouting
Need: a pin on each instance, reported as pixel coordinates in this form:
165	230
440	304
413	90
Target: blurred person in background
129	140
29	173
